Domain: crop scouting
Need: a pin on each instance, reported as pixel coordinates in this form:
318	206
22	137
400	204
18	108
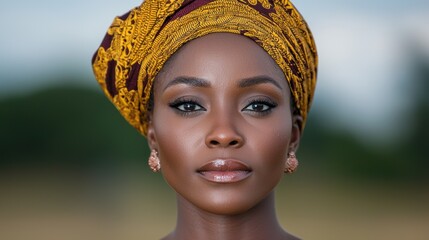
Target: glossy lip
225	171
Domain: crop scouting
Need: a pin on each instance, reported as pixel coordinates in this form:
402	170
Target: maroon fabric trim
187	7
107	41
131	82
294	68
190	5
111	79
125	16
263	11
94	57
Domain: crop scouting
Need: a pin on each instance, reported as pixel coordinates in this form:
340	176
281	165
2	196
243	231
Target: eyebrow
243	83
191	81
249	82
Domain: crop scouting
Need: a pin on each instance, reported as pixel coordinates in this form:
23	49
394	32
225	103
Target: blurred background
72	168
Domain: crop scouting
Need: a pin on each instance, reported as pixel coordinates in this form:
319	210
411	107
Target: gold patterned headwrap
138	44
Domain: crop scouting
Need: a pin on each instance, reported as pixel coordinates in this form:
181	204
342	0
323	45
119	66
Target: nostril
224	142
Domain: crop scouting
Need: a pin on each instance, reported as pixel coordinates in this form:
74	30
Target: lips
225	171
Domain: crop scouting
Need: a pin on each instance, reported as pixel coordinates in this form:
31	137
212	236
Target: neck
260	222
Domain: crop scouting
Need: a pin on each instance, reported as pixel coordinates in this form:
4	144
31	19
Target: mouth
225	171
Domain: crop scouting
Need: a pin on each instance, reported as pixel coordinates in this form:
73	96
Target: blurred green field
72	168
135	204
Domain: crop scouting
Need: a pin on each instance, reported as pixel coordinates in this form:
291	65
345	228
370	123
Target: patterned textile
138	44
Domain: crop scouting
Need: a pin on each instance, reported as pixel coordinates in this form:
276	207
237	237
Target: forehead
221	56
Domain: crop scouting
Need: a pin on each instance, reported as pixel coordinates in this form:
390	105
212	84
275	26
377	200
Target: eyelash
263	101
180	102
176	104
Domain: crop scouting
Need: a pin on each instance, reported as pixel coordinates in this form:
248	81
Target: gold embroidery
100	68
139	41
265	3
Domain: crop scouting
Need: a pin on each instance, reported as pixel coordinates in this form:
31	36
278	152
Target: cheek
176	147
270	145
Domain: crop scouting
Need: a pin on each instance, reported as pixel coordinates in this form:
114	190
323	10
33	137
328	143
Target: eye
186	106
261	106
189	107
257	107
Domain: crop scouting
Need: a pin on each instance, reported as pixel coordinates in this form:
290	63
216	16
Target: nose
224	135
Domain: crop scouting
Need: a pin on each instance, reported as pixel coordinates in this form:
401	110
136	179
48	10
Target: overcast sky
360	43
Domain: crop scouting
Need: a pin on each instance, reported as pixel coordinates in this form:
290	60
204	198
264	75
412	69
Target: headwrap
138	44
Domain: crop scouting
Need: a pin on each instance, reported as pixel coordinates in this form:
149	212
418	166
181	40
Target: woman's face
222	123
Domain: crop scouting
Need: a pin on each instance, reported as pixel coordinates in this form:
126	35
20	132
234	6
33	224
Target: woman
221	89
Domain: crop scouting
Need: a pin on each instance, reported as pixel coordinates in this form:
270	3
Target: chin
227	203
226	208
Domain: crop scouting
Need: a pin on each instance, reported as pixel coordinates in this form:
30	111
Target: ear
151	136
296	133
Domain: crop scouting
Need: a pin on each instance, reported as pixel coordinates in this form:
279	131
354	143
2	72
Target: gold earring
291	163
154	162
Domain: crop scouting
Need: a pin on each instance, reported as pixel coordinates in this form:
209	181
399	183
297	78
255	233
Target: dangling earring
291	163
154	162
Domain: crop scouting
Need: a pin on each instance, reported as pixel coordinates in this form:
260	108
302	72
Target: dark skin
222	96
